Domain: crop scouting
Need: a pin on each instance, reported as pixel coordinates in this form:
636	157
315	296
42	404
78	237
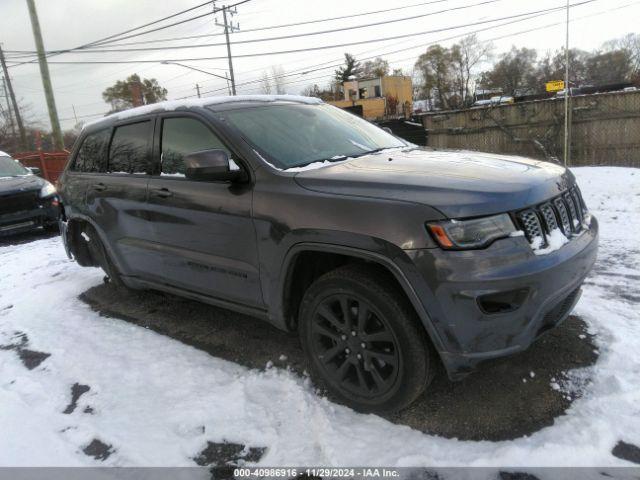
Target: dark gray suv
385	257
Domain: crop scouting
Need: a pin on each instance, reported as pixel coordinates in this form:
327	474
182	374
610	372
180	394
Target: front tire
364	342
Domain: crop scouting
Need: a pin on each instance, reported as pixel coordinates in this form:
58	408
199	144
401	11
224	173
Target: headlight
47	190
476	233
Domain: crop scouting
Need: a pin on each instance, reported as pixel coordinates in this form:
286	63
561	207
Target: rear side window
92	155
181	136
129	151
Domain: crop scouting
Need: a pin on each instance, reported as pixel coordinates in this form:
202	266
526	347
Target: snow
334	160
555	240
312	166
151	395
3	154
171	105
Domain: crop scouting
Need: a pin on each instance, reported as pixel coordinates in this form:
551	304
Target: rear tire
363	339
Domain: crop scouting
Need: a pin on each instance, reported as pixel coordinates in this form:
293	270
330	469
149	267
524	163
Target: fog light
502	302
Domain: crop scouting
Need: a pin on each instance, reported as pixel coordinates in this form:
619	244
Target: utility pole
198	90
229	27
46	79
567	97
74	114
6	96
228	86
12	96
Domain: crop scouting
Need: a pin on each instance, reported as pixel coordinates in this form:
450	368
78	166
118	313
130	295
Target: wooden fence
605	129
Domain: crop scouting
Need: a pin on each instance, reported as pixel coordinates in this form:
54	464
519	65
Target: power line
272	27
310	69
120	37
324	47
226	7
284	37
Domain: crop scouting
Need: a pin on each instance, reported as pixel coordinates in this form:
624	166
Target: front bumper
456	282
46	213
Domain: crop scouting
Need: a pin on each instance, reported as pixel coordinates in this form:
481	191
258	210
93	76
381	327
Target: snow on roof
203	102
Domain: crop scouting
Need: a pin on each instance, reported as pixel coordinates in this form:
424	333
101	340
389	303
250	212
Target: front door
204	230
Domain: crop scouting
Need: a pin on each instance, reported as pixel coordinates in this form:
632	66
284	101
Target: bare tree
265	83
278	79
375	68
630	43
515	72
466	58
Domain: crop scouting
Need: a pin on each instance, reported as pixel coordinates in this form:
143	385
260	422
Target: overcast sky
70	23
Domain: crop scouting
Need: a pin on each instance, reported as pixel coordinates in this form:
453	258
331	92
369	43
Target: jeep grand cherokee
385	257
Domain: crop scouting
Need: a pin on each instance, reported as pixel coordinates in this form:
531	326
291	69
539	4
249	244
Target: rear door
89	162
204	229
116	198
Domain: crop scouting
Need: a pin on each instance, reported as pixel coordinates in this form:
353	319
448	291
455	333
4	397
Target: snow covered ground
144	399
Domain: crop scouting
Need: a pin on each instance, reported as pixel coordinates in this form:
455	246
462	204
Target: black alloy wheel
355	345
364	342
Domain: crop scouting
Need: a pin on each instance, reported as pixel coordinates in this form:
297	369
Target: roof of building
200	102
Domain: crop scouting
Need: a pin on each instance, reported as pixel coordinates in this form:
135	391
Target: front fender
390	257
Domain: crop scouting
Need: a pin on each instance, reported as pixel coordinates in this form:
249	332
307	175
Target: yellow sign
555	86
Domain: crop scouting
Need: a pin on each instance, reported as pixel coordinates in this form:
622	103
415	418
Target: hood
18	184
457	183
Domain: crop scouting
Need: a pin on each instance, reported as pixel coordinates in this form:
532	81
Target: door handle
162	192
100	187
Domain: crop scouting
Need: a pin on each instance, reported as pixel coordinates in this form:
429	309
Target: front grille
18	202
530	223
549	217
561	208
565	212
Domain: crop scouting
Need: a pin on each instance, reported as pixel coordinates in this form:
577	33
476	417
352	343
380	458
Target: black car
27	201
385	257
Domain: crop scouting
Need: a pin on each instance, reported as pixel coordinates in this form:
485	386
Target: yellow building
388	96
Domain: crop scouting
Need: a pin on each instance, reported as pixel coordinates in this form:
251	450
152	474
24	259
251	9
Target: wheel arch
78	248
287	306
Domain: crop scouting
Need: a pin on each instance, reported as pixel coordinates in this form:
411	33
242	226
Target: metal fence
51	164
605	129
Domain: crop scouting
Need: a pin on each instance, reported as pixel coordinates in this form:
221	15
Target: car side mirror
212	166
35	170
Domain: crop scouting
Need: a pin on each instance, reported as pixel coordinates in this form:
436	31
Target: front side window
11	168
181	136
92	155
129	152
294	135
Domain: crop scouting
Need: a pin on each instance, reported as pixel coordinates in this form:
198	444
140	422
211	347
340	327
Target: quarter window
92	155
181	136
129	152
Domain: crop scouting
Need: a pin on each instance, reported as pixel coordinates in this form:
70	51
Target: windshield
295	135
10	168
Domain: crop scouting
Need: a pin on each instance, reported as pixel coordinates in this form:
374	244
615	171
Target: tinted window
92	156
129	152
181	136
